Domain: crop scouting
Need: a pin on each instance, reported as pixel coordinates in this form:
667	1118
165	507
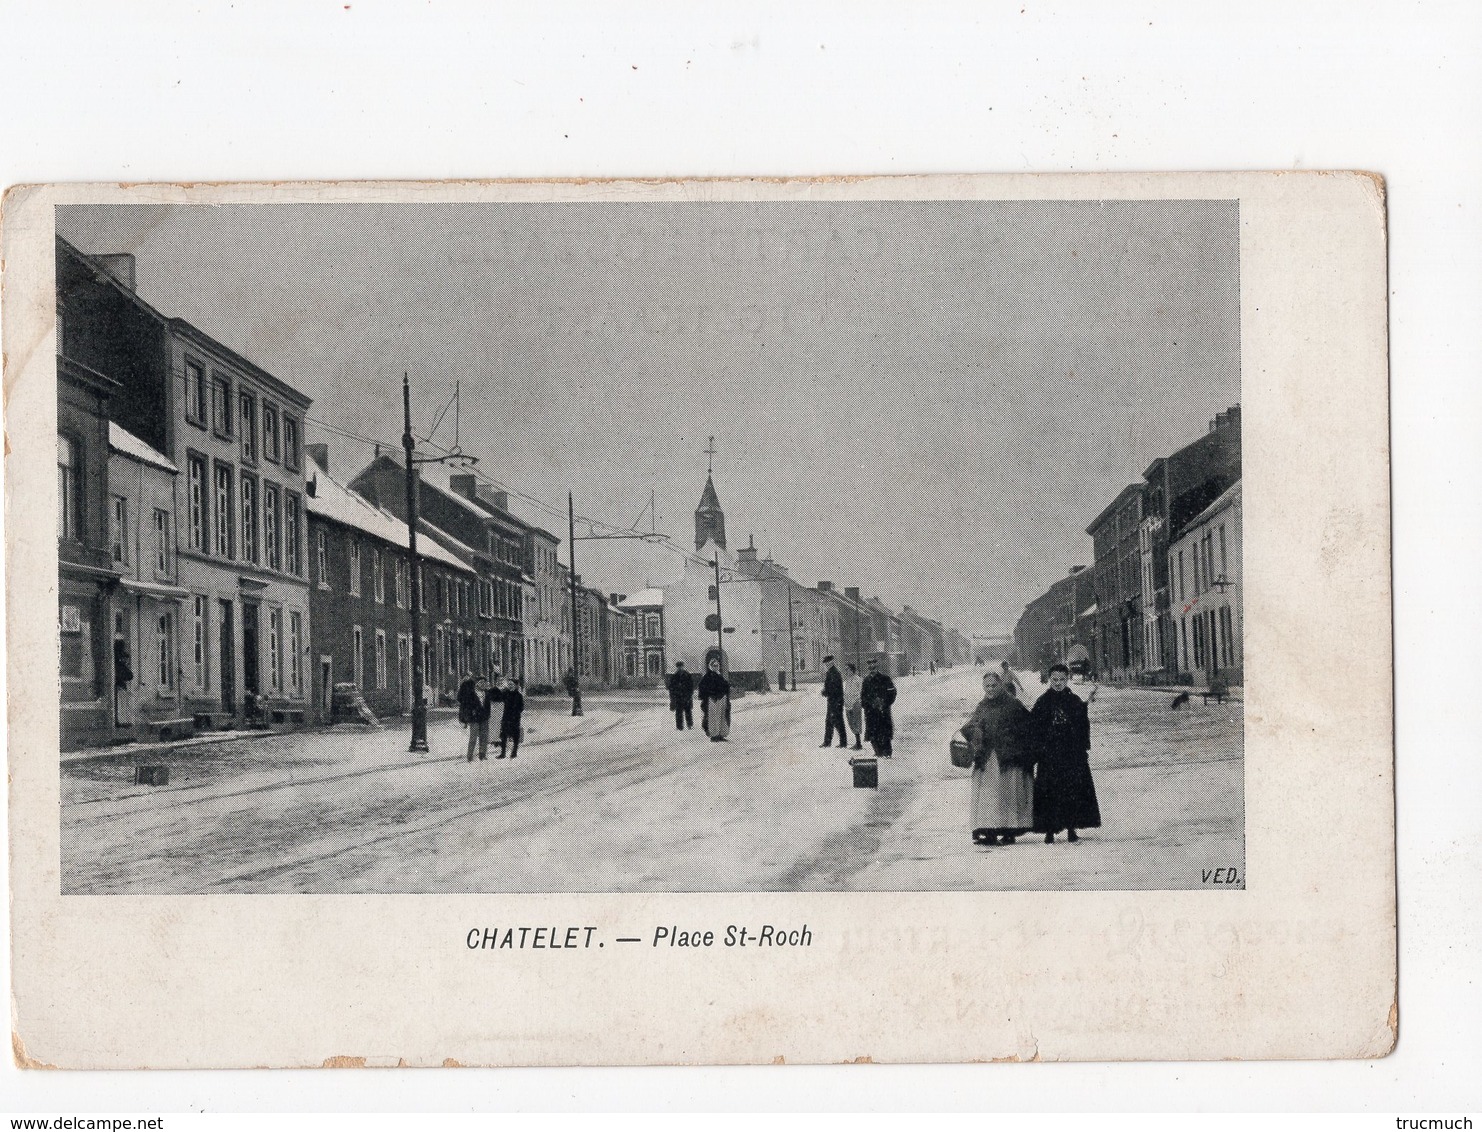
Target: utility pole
575	630
720	647
419	702
792	656
856	636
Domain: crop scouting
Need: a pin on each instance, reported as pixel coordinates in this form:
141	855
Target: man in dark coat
682	697
833	693
474	707
876	697
1064	793
511	729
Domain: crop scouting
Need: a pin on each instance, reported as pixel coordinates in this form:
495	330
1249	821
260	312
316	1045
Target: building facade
149	604
645	663
235	434
360	602
1117	633
1205	565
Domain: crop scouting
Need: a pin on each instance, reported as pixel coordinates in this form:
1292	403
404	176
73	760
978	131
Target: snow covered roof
335	502
1229	498
125	443
643	597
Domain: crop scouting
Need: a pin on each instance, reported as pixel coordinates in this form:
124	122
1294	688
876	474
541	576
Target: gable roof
333	501
125	443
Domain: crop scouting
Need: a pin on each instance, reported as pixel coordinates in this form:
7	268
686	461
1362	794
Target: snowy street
619	801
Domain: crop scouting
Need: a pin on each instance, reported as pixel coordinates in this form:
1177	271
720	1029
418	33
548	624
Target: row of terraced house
213	571
1162	602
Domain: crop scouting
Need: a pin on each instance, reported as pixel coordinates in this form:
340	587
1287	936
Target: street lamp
409	444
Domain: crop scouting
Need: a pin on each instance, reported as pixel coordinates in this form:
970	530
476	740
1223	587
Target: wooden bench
1218	691
287	715
171	729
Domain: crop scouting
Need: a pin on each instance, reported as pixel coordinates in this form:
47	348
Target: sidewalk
248	760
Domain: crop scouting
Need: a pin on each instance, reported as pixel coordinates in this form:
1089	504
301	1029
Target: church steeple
710	520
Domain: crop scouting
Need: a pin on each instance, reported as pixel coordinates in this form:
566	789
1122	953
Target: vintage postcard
925	619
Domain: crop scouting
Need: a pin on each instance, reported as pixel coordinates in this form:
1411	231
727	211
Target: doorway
227	648
251	667
326	687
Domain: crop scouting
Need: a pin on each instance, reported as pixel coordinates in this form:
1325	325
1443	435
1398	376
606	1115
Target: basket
962	754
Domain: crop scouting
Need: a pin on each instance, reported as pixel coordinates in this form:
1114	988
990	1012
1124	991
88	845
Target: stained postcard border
1300	964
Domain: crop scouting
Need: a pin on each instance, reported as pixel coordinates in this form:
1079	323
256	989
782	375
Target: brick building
490	541
644	662
1117	632
360	601
1058	626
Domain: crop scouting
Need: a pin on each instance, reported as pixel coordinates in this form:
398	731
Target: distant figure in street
474	707
682	697
781	680
715	703
933	668
853	689
876	696
833	693
511	726
570	682
1064	794
1002	805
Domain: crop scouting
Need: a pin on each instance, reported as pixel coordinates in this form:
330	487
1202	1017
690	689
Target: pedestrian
682	697
781	680
571	683
876	696
715	703
473	713
933	668
1064	793
1002	804
853	686
833	693
511	725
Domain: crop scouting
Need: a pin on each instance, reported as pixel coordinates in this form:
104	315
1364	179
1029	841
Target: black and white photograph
650	546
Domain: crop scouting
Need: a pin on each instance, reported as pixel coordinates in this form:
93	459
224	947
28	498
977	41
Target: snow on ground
620	801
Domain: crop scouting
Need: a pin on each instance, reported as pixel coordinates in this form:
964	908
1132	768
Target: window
399	580
199	607
69	464
380	659
655	664
378	576
270	431
654	629
195	392
195	474
355	567
357	661
118	529
321	560
1224	564
275	650
629	664
296	654
164	650
292	543
249	517
290	443
272	521
248	418
224	510
162	542
221	405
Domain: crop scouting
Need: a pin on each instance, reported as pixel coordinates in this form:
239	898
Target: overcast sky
927	400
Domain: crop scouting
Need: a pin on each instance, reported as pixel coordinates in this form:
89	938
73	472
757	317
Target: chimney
825	587
851	592
500	499
617	599
120	265
319	453
465	485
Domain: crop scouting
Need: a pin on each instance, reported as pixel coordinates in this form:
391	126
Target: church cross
710	452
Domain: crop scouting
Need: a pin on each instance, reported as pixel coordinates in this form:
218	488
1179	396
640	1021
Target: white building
1205	574
692	599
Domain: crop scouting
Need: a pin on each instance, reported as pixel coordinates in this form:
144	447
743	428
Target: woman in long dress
715	703
1002	805
1064	793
